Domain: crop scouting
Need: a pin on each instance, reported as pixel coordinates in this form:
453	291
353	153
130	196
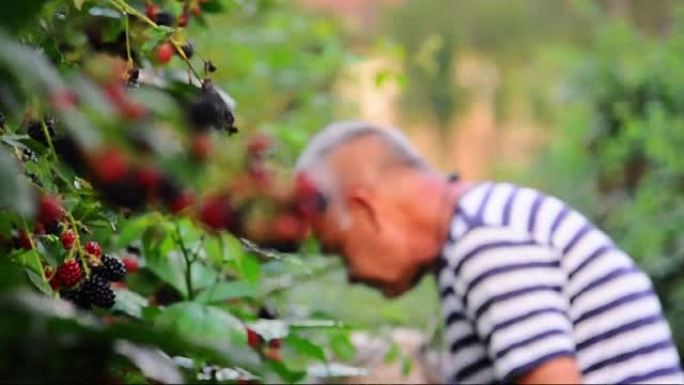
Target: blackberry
97	291
77	297
27	155
69	152
210	110
36	132
209	66
2	120
111	269
188	50
53	228
163	18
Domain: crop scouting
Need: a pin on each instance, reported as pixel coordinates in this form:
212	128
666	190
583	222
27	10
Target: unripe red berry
253	338
180	203
183	19
151	10
259	143
165	53
275	343
131	263
50	210
69	273
110	166
68	238
93	248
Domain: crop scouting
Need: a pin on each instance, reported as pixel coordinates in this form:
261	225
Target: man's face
372	240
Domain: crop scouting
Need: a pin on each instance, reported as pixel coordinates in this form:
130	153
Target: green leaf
132	230
79	4
305	347
287	375
37	281
342	346
406	366
15	192
130	303
157	36
202	324
228	290
393	353
249	268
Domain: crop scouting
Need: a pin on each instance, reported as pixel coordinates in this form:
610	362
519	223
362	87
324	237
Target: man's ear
362	203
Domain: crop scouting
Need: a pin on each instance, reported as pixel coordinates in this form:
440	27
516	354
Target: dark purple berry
97	291
111	269
77	297
163	18
209	66
188	50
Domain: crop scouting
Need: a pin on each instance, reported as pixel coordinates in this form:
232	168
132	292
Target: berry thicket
132	192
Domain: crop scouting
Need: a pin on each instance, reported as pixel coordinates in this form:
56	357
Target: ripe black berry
133	76
211	110
36	132
111	269
53	228
69	152
97	291
188	50
163	18
77	297
209	66
27	155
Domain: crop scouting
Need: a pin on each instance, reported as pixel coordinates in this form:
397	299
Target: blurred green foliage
617	150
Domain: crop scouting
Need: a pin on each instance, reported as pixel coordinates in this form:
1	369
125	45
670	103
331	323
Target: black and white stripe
525	279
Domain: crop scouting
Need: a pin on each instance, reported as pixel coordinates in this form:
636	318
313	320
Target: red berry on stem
253	338
180	203
201	146
183	19
259	143
131	263
24	240
289	227
40	229
275	343
110	166
68	237
165	53
50	210
69	273
93	248
151	10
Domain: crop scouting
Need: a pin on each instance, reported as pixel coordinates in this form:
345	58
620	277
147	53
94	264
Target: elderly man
532	292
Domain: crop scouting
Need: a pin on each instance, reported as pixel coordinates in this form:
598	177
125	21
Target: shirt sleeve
513	292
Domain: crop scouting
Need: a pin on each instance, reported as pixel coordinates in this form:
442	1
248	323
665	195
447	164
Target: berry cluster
86	291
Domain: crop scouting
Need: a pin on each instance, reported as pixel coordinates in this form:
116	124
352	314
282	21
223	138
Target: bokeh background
581	99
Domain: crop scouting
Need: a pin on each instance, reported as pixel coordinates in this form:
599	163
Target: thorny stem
128	41
188	262
25	228
49	139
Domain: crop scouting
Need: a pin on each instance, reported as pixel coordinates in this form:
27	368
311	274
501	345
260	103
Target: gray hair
336	134
312	161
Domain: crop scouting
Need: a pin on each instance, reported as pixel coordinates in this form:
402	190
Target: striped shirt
525	279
